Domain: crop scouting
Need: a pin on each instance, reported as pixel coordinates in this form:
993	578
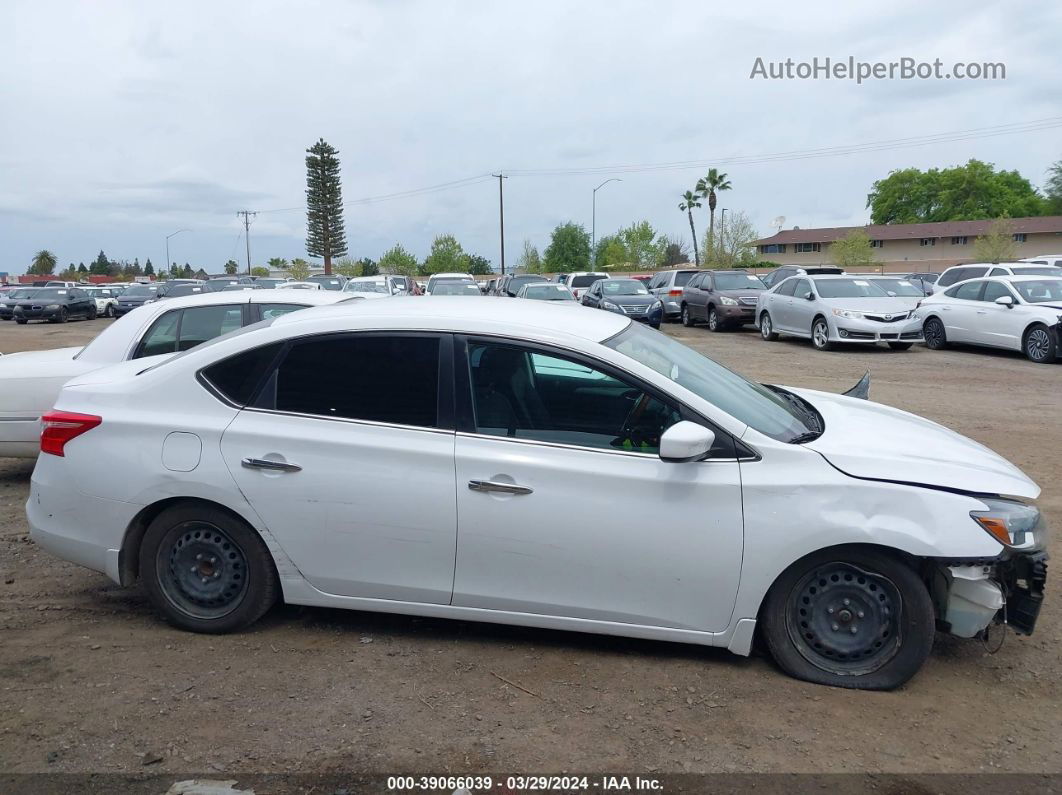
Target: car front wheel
714	324
766	328
1040	346
849	617
207	571
820	335
935	336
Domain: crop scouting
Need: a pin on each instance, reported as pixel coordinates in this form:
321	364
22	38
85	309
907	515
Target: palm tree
43	263
708	185
689	201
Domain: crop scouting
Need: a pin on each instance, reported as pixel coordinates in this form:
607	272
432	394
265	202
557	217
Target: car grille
889	318
634	309
747	301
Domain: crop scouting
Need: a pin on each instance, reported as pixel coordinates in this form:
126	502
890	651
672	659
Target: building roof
1042	224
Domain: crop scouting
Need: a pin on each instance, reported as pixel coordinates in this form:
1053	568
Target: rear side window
373	377
183	329
270	311
682	277
238	376
952	276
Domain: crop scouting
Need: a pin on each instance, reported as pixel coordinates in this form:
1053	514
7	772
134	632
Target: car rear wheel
820	335
766	328
207	571
687	318
714	324
849	617
900	346
21	321
935	336
1040	346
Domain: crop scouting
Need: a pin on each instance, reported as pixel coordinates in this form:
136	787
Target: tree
708	186
734	246
1053	189
568	249
691	200
368	267
149	269
479	266
853	249
187	272
325	234
101	266
81	269
299	269
43	264
202	275
69	273
231	266
398	261
672	251
277	264
997	244
639	241
174	271
962	193
529	260
446	256
260	271
345	266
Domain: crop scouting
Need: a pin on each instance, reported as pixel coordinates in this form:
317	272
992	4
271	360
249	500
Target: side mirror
810	296
1005	300
686	441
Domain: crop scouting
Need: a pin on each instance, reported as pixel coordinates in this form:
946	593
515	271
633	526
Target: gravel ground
91	681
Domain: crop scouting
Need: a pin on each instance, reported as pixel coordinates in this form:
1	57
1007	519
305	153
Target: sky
123	122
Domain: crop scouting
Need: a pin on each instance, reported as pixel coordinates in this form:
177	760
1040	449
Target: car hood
631	300
876	305
136	299
751	292
877	442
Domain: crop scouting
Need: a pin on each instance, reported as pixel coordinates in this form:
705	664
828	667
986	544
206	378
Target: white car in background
436	278
29	381
1019	313
253	469
838	309
371	287
977	270
302	286
106	300
1046	259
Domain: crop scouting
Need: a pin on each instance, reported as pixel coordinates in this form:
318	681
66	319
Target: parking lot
90	680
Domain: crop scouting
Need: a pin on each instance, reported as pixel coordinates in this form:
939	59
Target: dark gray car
722	299
56	305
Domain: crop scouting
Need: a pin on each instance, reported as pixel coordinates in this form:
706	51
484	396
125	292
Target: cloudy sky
123	122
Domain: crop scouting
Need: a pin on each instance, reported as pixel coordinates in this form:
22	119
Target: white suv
977	270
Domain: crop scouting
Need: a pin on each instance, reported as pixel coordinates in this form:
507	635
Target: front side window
786	287
375	377
802	289
521	394
994	290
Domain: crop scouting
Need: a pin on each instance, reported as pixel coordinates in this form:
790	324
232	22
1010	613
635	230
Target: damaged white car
253	469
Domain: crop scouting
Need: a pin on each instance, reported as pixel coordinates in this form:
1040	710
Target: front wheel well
129	556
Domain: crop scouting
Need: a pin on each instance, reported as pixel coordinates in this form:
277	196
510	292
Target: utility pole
247	216
593	219
501	217
167	268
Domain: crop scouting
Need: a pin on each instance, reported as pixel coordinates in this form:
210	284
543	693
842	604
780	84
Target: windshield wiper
807	436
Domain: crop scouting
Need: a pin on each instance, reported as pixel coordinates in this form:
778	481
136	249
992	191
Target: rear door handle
278	466
493	485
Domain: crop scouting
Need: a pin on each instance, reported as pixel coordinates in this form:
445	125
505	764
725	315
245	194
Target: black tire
687	318
714	323
1039	344
820	335
109	311
207	596
901	346
767	327
21	321
92	313
935	336
62	316
838	588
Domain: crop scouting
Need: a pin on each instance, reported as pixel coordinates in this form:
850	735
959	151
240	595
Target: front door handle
493	485
262	463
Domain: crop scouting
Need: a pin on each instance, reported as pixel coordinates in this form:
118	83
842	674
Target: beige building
928	247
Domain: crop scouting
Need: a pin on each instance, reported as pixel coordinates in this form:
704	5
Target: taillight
675	292
59	427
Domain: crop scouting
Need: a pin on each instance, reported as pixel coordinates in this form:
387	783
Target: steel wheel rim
1038	344
820	334
845	620
765	326
202	572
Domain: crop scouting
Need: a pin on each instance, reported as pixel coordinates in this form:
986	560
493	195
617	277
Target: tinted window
363	377
951	276
237	376
682	277
968	291
584	281
183	329
699	281
997	272
787	287
547	398
994	290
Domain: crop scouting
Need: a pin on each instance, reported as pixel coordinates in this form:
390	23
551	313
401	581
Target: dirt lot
91	681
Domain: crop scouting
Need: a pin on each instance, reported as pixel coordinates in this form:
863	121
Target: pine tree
101	266
325	235
149	269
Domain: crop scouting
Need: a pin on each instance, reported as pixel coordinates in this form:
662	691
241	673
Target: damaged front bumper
1008	590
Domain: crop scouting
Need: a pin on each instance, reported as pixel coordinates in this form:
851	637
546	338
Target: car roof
450	275
532	319
1018	278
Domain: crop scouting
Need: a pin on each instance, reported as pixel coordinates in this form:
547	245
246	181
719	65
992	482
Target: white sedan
30	381
253	469
1019	313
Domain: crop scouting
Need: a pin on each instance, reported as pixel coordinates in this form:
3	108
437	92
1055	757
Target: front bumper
1023	578
740	314
653	316
843	329
121	309
22	313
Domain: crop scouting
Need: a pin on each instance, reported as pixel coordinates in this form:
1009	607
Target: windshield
22	293
139	291
267	283
738	281
548	292
327	283
899	287
849	288
1043	270
184	289
455	288
50	293
367	287
1046	291
585	281
772	411
623	287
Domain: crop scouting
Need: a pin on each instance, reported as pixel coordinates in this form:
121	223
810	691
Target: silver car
667	286
838	309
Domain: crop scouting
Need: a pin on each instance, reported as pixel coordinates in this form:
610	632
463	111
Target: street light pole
167	264
593	219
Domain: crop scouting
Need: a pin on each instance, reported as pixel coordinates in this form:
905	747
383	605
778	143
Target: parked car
723	299
838	309
668	285
488	286
8	301
977	270
370	287
223	479
106	300
333	282
404	285
547	291
1046	259
436	278
55	305
136	296
456	288
270	283
628	297
778	275
1019	313
181	289
925	278
511	284
579	281
58	283
302	286
30	381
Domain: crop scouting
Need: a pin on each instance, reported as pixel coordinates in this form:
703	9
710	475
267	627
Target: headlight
1013	524
611	307
52	306
848	313
657	304
726	300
